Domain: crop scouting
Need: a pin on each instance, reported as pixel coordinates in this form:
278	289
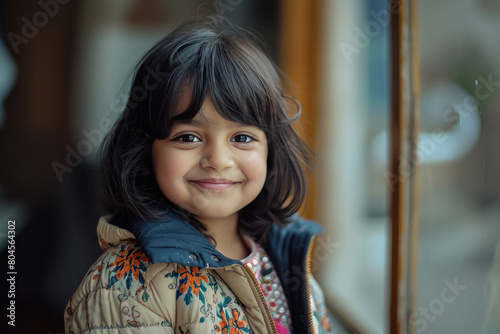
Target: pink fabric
281	329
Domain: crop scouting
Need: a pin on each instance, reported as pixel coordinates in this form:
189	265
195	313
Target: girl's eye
242	139
187	138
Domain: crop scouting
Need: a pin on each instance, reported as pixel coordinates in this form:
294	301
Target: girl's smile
214	184
210	166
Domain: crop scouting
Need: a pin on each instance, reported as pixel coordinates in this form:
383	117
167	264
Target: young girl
203	175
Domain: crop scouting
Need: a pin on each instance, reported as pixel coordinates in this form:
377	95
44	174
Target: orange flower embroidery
129	264
191	280
103	243
233	326
99	270
222	326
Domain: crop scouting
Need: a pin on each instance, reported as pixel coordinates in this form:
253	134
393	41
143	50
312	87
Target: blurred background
64	71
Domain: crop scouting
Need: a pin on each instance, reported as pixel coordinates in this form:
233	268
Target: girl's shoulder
124	278
116	292
122	269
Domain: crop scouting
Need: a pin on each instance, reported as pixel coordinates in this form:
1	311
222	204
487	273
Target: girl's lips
214	184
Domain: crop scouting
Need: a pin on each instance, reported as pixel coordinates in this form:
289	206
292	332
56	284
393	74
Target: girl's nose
217	157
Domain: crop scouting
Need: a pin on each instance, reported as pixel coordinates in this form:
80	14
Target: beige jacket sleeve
112	299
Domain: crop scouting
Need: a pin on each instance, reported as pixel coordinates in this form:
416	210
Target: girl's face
210	166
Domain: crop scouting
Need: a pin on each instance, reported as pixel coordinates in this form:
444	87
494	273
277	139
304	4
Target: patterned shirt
260	264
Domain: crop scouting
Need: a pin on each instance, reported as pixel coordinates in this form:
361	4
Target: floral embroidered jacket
166	277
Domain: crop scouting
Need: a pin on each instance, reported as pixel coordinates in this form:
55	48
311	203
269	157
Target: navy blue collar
172	239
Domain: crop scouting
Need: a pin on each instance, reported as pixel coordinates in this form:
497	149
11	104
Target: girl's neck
227	237
234	248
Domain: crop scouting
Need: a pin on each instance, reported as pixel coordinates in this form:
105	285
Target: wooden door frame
299	59
403	167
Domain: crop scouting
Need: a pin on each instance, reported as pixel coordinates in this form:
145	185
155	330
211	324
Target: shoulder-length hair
245	87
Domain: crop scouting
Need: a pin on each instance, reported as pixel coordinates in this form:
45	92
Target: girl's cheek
255	166
167	169
257	159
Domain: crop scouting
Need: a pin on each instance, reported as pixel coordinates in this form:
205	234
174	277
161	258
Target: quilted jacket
166	277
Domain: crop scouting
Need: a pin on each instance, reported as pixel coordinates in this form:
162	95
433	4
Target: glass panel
352	160
459	159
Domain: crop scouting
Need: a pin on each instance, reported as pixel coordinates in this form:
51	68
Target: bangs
242	84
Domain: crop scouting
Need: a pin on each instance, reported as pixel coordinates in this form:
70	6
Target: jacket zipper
262	299
308	285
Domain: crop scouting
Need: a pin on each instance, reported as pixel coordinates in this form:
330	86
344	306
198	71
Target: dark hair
245	87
